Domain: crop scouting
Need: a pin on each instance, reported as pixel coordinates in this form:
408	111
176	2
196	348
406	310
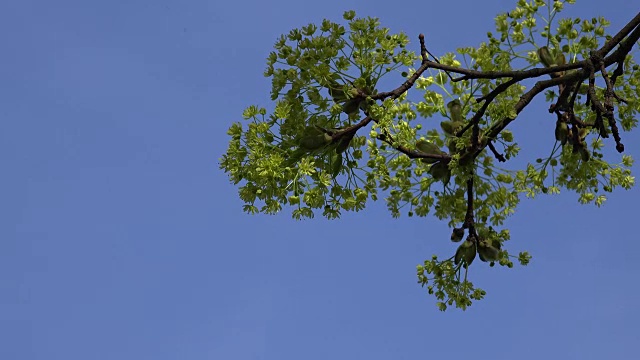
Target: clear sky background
121	239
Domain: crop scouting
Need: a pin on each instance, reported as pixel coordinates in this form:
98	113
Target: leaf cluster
334	140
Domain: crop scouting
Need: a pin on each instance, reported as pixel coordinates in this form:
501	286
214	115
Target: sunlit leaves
324	79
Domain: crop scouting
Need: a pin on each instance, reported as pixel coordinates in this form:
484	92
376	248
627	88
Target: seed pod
467	252
335	90
584	154
450	127
343	145
571	138
458	256
545	56
365	104
451	145
562	132
351	106
294	157
582	134
457	125
314	142
336	164
440	171
447	127
428	147
344	141
560	60
455	110
487	252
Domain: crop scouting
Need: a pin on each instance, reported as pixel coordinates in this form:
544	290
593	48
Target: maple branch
495	152
469	222
569	83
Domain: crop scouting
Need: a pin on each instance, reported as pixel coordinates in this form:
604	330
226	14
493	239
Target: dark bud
545	56
455	110
457	234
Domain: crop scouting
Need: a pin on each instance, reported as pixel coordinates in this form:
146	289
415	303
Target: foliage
334	140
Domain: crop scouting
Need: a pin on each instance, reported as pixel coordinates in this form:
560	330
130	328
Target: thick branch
469	222
516	74
617	38
350	129
495	152
569	84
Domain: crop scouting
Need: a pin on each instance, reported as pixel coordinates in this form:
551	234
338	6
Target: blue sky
121	238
